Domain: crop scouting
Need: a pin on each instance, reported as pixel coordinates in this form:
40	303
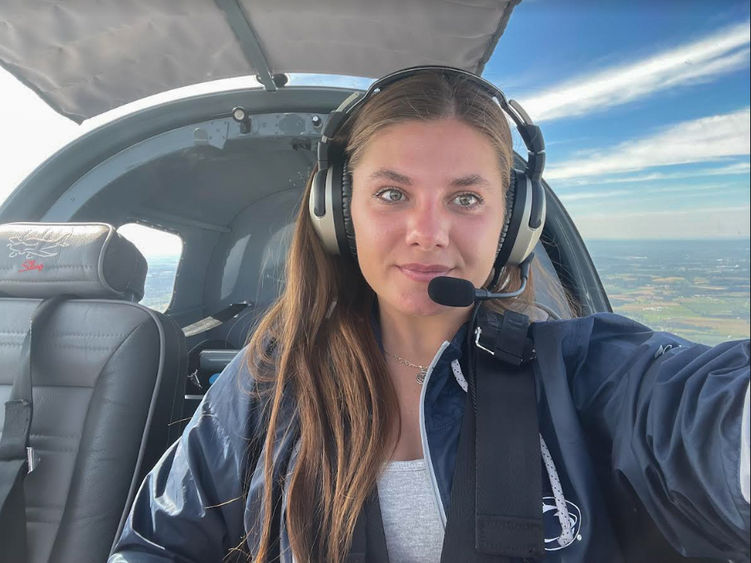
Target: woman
354	382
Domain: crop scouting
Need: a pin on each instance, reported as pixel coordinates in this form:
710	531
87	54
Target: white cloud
595	194
725	51
152	243
718	222
638	197
700	140
730	169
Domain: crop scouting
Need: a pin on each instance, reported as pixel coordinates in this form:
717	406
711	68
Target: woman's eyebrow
461	182
470	180
386	174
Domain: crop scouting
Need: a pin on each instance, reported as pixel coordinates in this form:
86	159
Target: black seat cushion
108	380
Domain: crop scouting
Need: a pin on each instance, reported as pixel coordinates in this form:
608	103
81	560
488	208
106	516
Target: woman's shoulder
602	325
608	339
605	335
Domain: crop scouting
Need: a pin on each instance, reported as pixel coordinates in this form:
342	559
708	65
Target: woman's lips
424	272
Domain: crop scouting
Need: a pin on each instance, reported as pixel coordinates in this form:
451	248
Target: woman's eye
467	200
390	195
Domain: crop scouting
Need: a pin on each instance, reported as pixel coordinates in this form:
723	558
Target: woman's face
427	201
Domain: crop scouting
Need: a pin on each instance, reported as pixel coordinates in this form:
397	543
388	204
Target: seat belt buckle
32	459
516	355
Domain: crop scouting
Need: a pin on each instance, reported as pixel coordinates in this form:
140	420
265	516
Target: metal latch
193	378
478	334
32	459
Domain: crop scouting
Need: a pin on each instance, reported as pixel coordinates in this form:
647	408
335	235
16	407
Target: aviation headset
525	198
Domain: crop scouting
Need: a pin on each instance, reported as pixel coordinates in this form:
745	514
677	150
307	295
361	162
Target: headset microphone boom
458	292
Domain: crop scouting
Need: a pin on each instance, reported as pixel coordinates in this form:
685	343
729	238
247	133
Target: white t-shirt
411	519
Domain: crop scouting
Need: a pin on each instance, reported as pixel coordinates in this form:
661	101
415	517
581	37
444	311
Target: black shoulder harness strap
496	495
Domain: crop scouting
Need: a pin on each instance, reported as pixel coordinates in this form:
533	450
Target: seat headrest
89	260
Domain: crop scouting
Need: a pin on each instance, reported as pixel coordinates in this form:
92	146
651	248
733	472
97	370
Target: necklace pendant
421	375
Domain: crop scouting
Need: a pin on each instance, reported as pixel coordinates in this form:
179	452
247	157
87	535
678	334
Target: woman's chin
417	306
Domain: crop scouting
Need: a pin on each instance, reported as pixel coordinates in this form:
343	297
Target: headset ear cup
525	218
317	203
514	200
349	230
320	205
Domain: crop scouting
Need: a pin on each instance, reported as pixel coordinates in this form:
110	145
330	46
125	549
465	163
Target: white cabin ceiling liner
85	57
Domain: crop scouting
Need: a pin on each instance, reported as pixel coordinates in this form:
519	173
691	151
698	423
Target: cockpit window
162	251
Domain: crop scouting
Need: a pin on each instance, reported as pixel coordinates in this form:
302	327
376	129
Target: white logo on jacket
665	348
552	525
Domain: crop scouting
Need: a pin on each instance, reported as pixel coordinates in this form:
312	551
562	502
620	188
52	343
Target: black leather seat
108	375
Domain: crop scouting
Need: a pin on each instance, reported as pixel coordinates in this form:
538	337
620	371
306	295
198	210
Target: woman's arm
190	506
674	414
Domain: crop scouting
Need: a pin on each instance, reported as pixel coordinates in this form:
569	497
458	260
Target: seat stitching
79	346
71	335
73	436
41	521
86	335
60	450
57	267
61	386
45	506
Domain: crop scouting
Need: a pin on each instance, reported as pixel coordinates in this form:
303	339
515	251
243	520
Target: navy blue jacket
637	422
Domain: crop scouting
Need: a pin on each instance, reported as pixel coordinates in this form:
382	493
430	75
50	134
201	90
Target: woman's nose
427	226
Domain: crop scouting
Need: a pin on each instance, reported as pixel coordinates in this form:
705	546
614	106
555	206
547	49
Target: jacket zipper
424	435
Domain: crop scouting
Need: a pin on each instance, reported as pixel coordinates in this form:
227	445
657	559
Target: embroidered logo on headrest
31	265
33	246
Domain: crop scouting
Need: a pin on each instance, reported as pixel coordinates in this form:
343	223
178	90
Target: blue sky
644	106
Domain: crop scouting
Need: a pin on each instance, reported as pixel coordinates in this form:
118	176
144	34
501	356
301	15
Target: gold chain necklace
422	371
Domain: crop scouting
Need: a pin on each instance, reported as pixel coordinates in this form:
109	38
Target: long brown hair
325	354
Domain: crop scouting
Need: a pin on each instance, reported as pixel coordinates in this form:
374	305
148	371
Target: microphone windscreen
451	292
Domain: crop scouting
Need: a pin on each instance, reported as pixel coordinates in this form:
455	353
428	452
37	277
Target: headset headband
530	133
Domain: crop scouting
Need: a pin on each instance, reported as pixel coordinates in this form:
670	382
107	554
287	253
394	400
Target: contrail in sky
724	51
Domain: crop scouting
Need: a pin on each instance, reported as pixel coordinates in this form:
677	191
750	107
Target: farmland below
698	289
